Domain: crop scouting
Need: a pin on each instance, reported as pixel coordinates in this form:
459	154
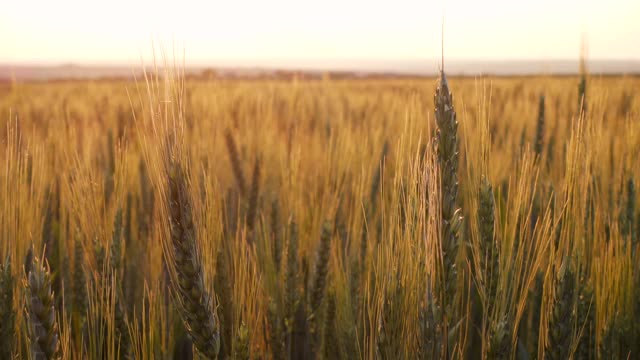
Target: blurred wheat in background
178	218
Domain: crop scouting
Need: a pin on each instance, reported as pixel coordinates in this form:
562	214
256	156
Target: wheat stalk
629	214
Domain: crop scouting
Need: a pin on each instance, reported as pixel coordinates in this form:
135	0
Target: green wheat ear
447	150
28	261
116	265
79	287
254	194
236	166
116	245
193	300
499	346
276	339
586	318
332	348
488	248
430	345
7	315
241	349
222	284
319	284
291	291
40	307
276	234
560	321
322	267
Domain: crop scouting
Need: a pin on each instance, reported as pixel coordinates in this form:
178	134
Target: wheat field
426	218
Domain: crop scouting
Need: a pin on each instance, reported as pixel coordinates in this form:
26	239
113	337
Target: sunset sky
120	31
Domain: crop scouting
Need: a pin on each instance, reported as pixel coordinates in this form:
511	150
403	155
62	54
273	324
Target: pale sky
87	31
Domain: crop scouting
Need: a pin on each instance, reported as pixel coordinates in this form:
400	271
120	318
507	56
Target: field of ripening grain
489	218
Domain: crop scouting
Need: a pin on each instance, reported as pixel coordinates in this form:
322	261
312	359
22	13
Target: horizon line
356	67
